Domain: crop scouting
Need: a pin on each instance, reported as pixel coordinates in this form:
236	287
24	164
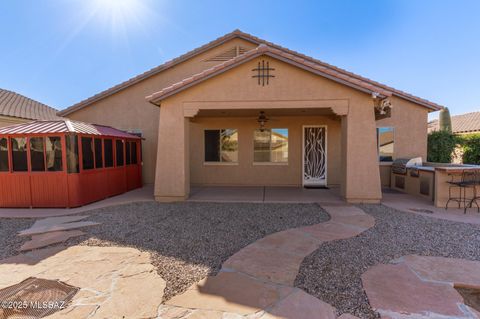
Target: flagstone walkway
257	282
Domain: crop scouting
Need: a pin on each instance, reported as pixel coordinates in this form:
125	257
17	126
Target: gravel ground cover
189	241
9	241
332	273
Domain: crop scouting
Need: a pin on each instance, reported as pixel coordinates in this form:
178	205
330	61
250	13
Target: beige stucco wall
248	173
128	109
410	123
361	178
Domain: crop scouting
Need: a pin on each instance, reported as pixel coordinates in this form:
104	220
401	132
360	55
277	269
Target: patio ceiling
270	112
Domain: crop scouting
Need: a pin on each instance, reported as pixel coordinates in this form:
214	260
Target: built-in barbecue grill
400	165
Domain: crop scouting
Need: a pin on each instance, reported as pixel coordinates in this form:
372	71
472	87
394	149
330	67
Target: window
37	154
108	150
53	148
87	153
221	145
19	154
270	146
72	153
134	153
98	153
119	152
3	155
385	143
128	158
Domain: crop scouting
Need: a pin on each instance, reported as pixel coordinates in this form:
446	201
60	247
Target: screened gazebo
64	163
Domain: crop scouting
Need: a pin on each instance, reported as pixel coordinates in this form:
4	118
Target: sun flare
119	14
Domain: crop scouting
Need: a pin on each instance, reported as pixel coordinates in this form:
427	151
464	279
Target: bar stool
476	196
468	180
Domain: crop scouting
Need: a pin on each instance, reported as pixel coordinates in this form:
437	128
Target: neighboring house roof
463	123
16	105
64	126
239	34
275	53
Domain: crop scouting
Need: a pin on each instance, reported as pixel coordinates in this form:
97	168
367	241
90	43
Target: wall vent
227	55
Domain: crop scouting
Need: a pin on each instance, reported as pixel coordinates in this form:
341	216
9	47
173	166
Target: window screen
87	153
128	157
53	148
108	150
19	154
3	155
98	153
72	153
119	152
37	154
134	153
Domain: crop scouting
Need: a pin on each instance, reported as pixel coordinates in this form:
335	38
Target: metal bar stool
463	182
476	196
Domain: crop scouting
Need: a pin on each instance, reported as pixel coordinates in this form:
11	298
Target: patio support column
360	173
172	175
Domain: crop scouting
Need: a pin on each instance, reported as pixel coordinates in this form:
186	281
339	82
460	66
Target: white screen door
314	155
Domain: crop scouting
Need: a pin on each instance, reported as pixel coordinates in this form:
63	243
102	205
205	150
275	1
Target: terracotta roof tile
464	123
16	105
294	55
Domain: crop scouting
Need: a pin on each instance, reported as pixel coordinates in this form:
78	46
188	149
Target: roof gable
248	37
264	50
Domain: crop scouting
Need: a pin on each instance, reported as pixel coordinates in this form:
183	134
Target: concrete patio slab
424	207
47	239
137	195
227	194
55	228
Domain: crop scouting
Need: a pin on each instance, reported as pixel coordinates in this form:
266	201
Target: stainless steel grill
400	165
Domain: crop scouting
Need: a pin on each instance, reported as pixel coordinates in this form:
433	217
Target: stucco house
241	111
16	108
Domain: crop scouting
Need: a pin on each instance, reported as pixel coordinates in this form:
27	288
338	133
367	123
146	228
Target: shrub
471	149
441	145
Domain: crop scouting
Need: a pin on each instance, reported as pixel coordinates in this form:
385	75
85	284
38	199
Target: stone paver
421	287
257	282
115	282
55	227
43	240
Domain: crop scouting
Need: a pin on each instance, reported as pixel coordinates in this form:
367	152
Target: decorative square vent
262	73
35	298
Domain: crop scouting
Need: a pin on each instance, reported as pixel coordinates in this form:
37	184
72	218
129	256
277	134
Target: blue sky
62	51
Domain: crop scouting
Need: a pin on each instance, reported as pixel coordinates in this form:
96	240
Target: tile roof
248	37
273	52
464	123
64	126
16	105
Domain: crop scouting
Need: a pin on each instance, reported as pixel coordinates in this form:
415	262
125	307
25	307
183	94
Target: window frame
27	151
123	152
95	139
112	144
377	130
82	158
270	162
9	164
220	162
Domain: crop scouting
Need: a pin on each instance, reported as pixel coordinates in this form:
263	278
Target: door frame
303	153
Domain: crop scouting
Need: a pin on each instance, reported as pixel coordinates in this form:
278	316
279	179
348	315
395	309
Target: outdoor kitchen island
431	180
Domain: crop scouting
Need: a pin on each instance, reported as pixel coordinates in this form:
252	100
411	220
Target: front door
315	155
